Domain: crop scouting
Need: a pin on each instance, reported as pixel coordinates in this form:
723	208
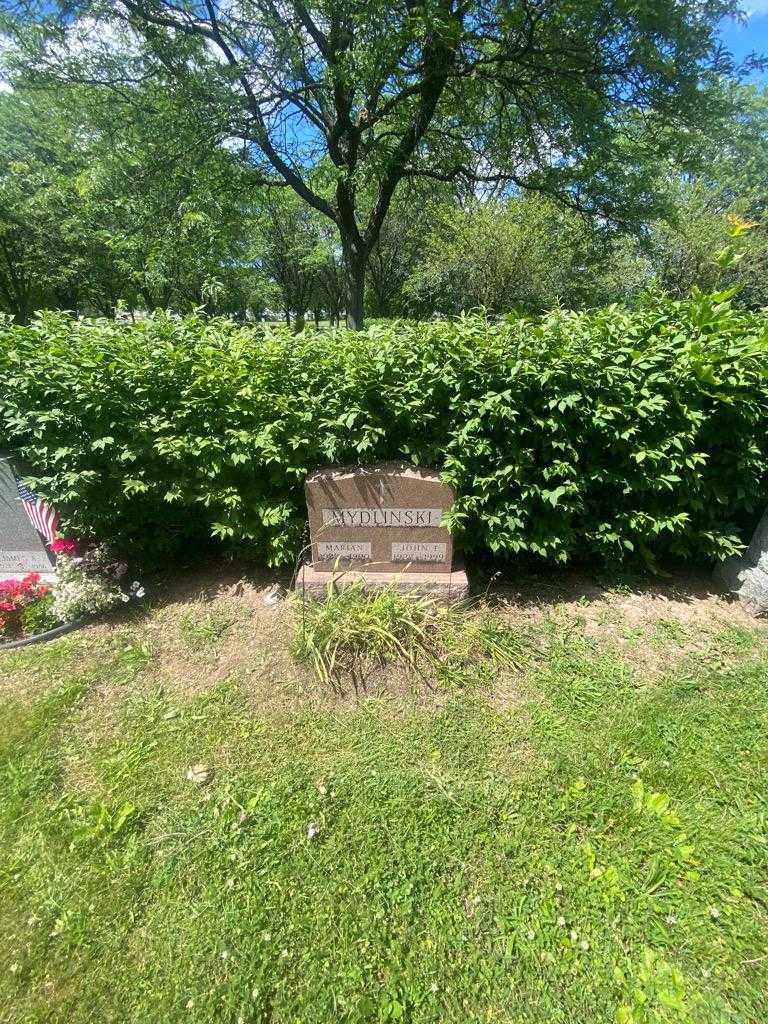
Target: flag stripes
43	517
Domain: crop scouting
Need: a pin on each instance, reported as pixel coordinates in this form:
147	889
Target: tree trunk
354	265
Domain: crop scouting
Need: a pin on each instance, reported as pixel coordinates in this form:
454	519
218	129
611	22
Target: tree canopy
344	102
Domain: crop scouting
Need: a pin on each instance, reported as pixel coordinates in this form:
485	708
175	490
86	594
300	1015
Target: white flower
531	934
76	593
561	922
714	913
312	830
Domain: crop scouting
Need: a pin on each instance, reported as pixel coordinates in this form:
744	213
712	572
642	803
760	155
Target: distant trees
732	185
108	201
42	250
569	100
526	254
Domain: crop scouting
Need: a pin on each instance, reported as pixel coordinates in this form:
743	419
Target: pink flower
63	546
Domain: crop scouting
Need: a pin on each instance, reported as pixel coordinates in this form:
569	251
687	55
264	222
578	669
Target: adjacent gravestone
21	547
381	524
747	575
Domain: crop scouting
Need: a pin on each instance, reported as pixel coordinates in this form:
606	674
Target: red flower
63	546
7	606
30	578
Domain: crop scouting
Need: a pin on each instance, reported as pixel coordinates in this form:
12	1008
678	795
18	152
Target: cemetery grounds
195	827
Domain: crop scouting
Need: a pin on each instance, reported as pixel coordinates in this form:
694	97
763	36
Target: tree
526	254
289	253
145	216
45	251
565	97
731	188
401	248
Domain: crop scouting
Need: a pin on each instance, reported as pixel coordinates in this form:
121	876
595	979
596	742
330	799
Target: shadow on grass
532	587
524	586
202	582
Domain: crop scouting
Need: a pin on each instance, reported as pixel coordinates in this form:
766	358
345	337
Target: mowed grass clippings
595	851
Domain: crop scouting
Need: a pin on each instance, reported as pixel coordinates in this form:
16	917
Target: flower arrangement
85	584
79	593
26	607
64	546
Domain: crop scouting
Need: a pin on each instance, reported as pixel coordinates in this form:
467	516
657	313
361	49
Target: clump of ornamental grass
353	633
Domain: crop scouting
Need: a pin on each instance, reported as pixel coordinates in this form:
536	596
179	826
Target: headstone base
444	586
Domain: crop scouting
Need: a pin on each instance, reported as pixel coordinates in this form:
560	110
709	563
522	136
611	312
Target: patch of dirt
215	622
646	618
215	625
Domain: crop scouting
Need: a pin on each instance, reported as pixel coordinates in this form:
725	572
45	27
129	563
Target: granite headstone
381	523
22	549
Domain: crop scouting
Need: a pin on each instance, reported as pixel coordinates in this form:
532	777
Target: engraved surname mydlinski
366	517
414	551
328	550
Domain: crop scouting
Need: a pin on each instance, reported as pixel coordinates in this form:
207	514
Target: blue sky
751	37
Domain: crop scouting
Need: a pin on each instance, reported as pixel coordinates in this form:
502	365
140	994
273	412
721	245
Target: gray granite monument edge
22	549
746	575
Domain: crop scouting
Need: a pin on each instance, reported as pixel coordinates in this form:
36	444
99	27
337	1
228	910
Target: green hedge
580	434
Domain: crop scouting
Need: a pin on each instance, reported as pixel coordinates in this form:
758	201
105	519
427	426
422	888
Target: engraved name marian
351	549
351	517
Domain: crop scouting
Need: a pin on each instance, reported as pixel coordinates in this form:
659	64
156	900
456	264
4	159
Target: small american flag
43	517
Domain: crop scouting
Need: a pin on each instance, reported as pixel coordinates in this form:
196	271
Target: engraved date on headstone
411	551
355	550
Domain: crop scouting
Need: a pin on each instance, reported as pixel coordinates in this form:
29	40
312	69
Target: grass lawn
577	837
